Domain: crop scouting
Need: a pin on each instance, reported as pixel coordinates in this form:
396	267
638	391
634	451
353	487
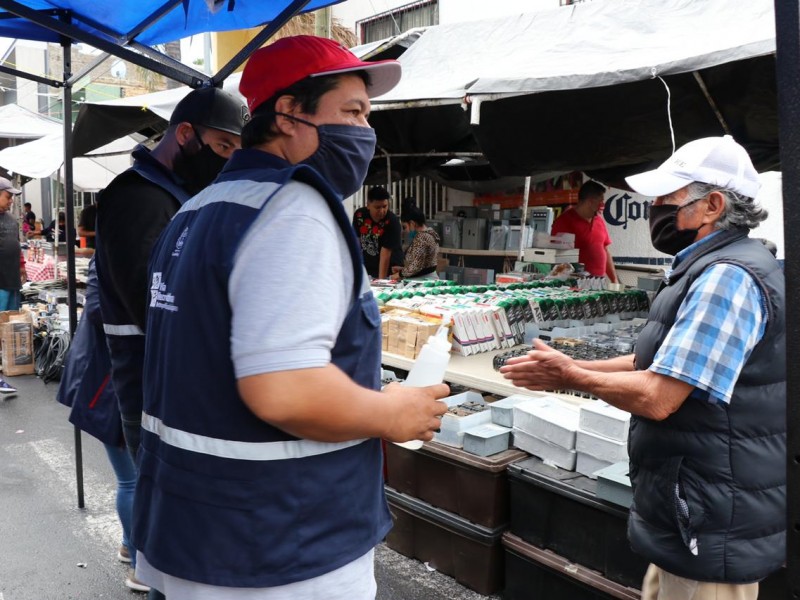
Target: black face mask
199	169
664	232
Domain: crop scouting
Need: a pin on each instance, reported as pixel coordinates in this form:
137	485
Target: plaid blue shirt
721	319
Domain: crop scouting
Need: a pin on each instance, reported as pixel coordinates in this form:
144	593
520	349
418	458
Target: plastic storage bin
558	510
473	487
536	574
471	554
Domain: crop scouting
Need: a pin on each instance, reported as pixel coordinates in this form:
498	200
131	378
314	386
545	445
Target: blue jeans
9	300
122	463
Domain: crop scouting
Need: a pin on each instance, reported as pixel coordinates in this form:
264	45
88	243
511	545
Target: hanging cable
669	113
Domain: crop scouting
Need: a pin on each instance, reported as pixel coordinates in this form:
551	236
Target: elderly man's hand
543	368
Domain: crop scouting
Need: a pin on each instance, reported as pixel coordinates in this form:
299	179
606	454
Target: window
393	22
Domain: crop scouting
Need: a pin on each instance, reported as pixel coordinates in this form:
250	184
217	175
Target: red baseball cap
290	59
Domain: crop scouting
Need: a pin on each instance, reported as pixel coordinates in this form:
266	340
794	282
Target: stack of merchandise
602	438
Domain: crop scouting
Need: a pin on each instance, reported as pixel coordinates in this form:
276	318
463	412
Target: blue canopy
118	18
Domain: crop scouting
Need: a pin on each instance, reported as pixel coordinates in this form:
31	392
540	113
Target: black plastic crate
470	553
536	574
473	487
558	510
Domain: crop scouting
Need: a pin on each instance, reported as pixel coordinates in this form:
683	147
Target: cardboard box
16	342
551	255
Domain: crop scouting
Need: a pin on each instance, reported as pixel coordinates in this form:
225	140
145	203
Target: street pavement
52	550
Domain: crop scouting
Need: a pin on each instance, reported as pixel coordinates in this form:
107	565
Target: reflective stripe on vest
240	450
122	329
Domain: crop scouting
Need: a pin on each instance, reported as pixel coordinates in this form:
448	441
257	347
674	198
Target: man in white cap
261	464
706	386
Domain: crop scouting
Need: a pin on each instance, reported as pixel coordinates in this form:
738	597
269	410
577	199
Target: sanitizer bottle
429	369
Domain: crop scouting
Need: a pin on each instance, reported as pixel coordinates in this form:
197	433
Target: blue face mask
412	235
343	155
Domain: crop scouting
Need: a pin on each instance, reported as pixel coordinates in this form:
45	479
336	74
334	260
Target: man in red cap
261	464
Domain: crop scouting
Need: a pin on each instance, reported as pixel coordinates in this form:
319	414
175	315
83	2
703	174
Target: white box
600	447
523	413
551	255
589	465
554	422
453	427
606	420
549	453
503	410
542	239
487	439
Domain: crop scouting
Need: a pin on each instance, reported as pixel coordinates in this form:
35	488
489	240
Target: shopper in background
378	229
423	250
27	213
131	213
591	235
261	443
49	232
706	386
86	224
12	269
86	387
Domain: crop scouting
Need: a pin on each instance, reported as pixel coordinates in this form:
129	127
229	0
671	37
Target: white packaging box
606	420
589	465
550	453
551	255
503	410
555	422
453	427
523	412
542	239
487	439
602	448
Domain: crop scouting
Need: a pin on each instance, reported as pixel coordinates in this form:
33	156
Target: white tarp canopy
20	123
45	157
590	44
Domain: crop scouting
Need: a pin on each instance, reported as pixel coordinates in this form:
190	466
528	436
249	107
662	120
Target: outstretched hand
543	368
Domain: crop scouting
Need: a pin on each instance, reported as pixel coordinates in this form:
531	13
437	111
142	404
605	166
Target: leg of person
8	300
671	587
122	464
132	430
650	583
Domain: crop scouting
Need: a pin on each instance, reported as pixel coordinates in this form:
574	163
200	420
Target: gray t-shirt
291	285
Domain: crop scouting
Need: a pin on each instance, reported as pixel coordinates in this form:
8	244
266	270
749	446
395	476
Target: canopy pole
787	25
699	79
69	207
523	225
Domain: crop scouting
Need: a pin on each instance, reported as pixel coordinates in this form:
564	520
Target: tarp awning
17	122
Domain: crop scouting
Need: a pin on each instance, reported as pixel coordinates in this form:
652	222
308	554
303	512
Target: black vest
728	462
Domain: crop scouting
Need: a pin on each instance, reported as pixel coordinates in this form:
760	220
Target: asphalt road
52	550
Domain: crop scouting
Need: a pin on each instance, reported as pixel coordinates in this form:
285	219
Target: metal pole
787	23
525	195
69	208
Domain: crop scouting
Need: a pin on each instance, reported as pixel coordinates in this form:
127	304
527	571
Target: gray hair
740	210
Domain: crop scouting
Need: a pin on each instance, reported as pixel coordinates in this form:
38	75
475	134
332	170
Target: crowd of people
244	410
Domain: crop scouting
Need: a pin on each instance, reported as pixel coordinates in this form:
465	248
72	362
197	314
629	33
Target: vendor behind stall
420	262
591	235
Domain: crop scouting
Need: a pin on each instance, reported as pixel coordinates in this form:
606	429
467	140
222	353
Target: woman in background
420	261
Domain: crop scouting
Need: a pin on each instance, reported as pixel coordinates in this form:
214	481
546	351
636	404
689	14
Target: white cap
5	184
718	161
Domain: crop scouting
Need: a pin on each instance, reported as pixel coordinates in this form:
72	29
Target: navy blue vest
728	461
124	339
218	501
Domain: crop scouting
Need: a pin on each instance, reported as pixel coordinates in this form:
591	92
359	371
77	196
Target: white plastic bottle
429	369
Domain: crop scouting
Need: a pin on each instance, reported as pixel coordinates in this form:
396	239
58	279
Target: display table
477	372
44	271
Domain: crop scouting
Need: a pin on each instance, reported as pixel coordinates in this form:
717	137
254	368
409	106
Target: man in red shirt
591	235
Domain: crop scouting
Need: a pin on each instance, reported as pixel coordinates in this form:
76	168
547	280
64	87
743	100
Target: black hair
27	204
306	93
590	189
378	193
413	214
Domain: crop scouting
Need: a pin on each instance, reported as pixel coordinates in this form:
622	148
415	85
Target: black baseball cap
212	107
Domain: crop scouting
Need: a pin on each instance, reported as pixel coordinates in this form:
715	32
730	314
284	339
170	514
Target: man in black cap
203	132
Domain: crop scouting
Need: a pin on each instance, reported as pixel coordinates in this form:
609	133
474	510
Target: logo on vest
181	241
159	297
